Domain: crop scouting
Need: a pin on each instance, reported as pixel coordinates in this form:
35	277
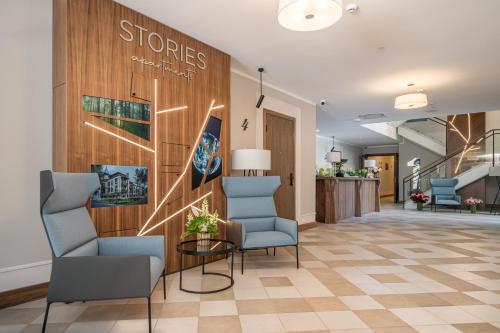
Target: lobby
276	166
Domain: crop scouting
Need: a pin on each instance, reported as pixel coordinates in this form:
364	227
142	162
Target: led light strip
141	232
118	136
156	147
175	214
467	140
179	108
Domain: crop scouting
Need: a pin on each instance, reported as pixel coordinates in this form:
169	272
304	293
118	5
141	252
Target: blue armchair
84	266
252	219
443	193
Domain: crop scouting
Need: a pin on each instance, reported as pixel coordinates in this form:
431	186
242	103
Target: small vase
420	206
473	209
202	241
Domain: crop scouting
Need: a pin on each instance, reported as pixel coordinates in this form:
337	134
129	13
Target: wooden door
279	137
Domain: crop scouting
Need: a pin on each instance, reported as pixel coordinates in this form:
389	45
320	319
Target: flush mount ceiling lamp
309	15
411	100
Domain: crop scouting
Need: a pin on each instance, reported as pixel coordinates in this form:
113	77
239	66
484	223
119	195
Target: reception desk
338	198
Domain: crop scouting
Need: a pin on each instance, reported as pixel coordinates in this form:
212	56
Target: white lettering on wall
158	43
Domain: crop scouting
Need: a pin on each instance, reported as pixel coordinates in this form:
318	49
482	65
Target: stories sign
176	53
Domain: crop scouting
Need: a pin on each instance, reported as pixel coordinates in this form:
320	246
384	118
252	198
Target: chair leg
242	260
45	317
275	252
164	286
149	314
297	254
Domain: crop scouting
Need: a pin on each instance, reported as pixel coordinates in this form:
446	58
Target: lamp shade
334	156
309	15
251	159
370	164
410	101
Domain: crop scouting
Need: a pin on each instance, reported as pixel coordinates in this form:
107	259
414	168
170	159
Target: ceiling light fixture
412	100
309	15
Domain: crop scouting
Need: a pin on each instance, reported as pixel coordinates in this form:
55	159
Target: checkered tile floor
397	271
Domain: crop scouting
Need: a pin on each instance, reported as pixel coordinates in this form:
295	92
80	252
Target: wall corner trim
286	92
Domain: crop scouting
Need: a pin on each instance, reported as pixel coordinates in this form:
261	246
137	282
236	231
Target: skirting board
23	295
306	226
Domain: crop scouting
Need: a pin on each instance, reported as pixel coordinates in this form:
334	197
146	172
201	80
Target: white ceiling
450	48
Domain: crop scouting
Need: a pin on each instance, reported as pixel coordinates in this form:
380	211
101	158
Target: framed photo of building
120	185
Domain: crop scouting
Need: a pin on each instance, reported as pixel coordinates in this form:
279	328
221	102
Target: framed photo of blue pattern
207	162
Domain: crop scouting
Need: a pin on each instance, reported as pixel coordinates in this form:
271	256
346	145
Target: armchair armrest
289	227
95	278
144	245
235	232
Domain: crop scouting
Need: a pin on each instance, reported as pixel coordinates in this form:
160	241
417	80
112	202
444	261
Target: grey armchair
84	266
443	193
252	219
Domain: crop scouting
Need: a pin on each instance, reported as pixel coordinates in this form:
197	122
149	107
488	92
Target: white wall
349	152
26	138
244	95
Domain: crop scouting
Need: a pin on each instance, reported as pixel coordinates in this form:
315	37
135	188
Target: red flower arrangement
419	197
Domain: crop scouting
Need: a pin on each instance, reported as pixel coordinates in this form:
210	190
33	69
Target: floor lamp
251	160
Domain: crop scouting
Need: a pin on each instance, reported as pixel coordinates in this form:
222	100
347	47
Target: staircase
468	164
429	133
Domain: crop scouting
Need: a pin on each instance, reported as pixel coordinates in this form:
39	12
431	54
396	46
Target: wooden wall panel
96	61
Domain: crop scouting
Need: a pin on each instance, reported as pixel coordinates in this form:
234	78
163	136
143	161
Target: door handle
291	179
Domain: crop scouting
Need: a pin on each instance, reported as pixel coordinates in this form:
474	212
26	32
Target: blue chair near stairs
443	193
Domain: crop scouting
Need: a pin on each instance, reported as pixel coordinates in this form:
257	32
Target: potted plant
472	203
340	172
202	224
419	199
350	172
376	172
362	173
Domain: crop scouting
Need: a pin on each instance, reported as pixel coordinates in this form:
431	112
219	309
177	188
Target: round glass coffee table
206	248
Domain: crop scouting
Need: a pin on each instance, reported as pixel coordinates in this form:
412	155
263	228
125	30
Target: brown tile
340	251
382	252
477	328
219	324
180	309
398	329
257	306
280	281
291	305
418	250
394	301
387	278
140	311
458	298
423	300
102	313
449	261
322	304
379	318
52	328
491	248
19	316
446	279
491	275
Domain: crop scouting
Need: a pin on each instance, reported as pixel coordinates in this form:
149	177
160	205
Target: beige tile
177	325
219	324
283	292
487	297
218	308
397	329
437	329
180	309
101	313
90	327
341	320
456	299
132	326
452	315
12	328
417	316
140	311
297	322
224	295
261	323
